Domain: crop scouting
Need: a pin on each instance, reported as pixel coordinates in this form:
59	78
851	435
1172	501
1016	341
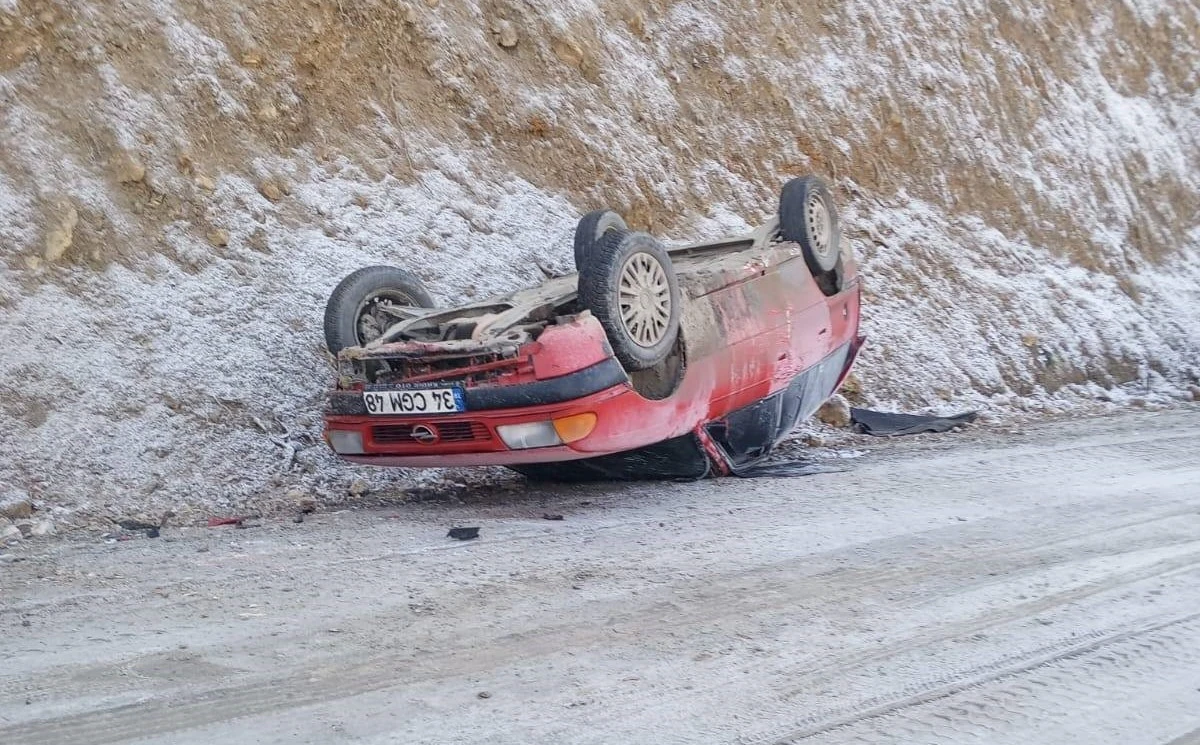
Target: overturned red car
649	363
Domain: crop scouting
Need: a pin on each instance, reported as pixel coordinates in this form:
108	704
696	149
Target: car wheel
591	229
808	216
355	315
628	283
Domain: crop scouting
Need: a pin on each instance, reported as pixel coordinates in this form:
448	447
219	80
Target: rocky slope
182	183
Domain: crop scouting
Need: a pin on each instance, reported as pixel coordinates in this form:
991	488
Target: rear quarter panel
752	321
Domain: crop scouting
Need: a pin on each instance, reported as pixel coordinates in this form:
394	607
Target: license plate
415	401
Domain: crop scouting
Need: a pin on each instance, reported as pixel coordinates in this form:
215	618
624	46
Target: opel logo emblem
424	434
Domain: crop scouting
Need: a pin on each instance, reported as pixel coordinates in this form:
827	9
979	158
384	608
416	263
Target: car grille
446	432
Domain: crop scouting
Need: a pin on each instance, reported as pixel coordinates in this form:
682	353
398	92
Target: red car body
762	345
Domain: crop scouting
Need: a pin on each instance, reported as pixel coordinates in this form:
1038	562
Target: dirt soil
989	586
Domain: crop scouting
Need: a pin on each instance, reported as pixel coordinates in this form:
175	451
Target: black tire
642	262
349	315
591	229
808	216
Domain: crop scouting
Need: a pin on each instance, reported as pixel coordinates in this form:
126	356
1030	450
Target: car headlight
345	441
547	434
529	435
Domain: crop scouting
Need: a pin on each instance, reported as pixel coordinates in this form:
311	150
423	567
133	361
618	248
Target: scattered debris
835	412
463	534
505	33
889	424
216	522
551	516
483	694
299	518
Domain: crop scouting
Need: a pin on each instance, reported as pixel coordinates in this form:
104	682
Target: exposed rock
835	412
852	388
16	509
303	500
637	24
814	441
10	533
139	521
568	52
128	168
505	33
205	182
218	237
259	241
359	487
62	235
1195	391
35	528
273	189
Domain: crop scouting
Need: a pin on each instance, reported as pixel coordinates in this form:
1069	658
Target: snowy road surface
1042	586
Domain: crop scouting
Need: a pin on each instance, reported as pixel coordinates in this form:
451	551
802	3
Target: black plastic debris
463	534
551	516
890	424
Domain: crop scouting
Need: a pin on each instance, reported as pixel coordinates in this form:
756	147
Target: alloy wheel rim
644	297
